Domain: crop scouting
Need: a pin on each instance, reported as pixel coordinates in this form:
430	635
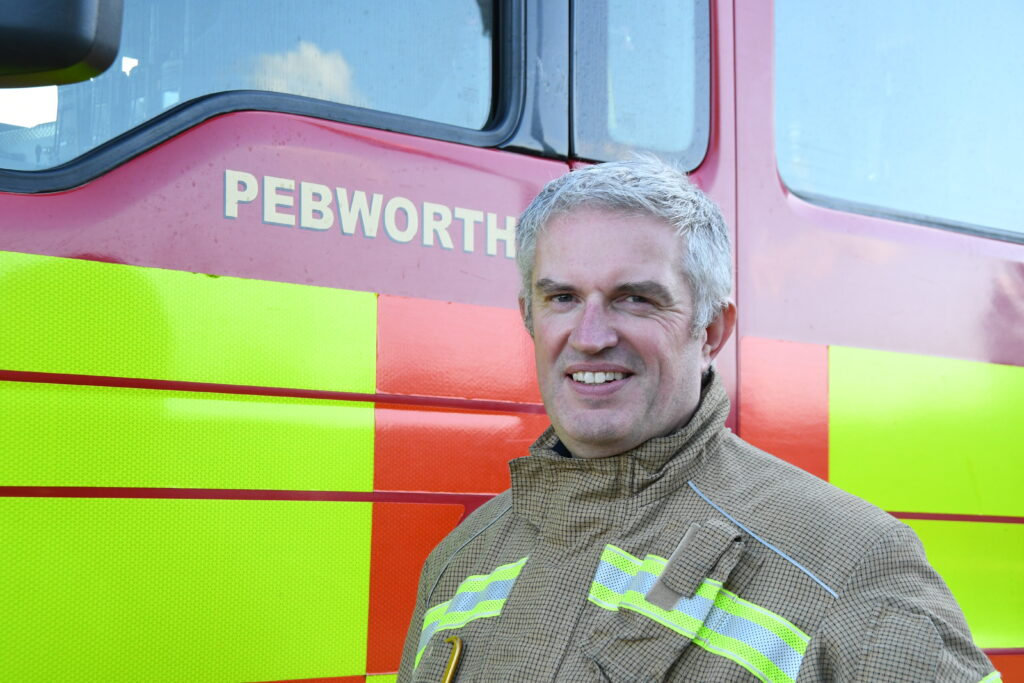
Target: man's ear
718	333
526	313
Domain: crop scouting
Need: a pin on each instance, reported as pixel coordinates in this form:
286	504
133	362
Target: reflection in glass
641	78
911	107
426	60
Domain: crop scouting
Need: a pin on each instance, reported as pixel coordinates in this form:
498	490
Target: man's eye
636	299
561	298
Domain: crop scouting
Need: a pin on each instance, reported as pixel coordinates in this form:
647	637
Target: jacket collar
559	494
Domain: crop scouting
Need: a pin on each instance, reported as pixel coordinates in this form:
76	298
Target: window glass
427	60
641	75
913	107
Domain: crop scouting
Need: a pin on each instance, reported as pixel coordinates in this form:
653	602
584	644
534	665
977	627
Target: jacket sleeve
412	637
895	620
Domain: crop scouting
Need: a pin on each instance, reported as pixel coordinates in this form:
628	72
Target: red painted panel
823	276
403	536
784	400
716	175
167	208
1011	666
443	450
434	348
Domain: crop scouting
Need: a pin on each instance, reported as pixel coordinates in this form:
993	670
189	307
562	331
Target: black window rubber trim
928	221
506	108
590	22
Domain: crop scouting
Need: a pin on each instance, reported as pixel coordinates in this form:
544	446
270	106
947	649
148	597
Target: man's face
612	315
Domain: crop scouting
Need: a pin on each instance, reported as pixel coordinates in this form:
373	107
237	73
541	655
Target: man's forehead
625	246
627	224
598	209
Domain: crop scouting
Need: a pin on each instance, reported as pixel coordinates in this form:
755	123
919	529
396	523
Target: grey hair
644	184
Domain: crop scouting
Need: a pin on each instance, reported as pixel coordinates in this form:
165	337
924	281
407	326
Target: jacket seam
763	542
448	561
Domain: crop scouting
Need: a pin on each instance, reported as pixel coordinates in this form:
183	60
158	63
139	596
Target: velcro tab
708	550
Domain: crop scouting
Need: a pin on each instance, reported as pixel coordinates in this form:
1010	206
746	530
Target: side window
431	61
641	79
908	109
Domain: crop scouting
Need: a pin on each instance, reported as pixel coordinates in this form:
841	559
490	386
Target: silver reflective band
762	642
477	597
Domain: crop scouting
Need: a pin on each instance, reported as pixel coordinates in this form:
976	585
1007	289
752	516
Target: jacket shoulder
826	528
481	519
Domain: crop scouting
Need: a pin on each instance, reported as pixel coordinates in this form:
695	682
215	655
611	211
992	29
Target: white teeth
596	377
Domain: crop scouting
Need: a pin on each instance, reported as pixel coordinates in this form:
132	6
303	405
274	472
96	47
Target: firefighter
641	539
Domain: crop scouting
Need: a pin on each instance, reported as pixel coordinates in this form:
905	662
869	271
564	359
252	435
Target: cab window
430	61
640	79
903	109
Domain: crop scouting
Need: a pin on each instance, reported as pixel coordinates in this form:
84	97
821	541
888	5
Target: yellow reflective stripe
939	424
783	628
994	676
70	316
963	551
764	643
118	589
620	559
477	597
80	435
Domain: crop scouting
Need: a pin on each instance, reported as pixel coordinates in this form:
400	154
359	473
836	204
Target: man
641	540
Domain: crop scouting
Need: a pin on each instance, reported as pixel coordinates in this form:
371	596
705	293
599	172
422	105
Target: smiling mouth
597	377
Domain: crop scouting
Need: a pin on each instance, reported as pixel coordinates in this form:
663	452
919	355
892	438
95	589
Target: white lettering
436	219
315	206
469	218
506	235
359	212
412	219
239	187
310	205
272	198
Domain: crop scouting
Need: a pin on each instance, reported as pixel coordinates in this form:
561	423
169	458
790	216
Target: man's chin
597	442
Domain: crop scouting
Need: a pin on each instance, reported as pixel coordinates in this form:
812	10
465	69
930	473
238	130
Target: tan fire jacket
694	557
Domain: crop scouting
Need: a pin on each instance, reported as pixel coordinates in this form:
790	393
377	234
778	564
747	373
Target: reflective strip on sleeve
717	620
477	597
992	677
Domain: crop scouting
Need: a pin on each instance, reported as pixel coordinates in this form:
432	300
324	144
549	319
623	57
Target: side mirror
54	42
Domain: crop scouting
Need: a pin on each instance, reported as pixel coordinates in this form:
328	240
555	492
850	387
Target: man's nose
594	332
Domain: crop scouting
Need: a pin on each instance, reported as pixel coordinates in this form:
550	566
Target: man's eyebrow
546	286
649	289
646	288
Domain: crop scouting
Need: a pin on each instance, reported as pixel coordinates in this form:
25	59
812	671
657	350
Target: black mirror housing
55	42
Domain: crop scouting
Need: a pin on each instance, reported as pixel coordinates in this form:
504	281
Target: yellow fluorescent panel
921	434
182	590
983	565
82	317
68	435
